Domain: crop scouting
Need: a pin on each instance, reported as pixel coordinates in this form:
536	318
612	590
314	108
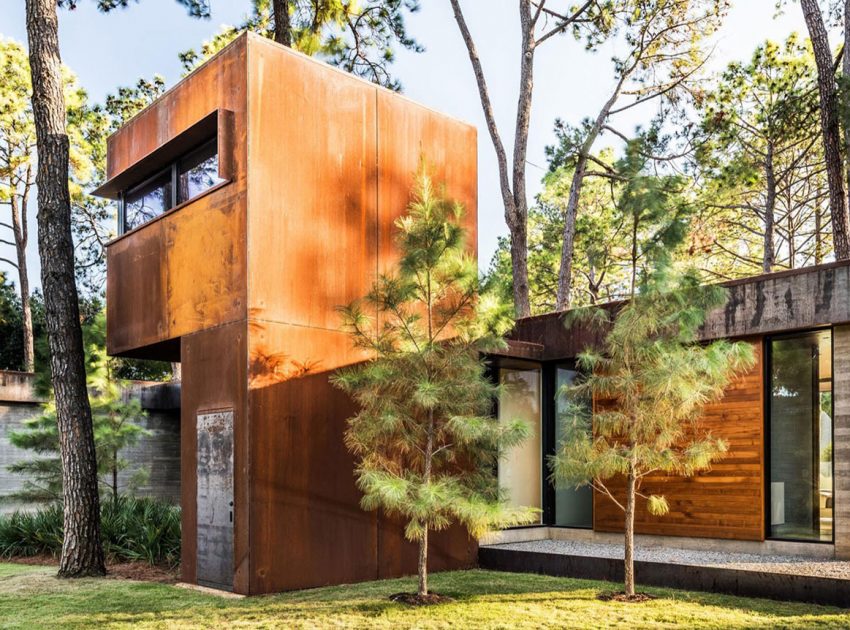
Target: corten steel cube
240	285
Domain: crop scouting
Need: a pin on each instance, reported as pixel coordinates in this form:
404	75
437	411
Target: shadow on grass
482	598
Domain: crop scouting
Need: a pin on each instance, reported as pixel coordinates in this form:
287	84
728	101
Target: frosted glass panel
521	469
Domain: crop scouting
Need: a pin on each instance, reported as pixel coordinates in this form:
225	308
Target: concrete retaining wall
159	452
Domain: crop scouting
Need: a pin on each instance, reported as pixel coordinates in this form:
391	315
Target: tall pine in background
425	441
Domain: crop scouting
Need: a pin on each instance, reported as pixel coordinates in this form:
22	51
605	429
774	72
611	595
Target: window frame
767	371
548	420
175	202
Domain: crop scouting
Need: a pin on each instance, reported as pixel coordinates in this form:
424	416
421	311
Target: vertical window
148	201
800	427
573	506
198	172
521	469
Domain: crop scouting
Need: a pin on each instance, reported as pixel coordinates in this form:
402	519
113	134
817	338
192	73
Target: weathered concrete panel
841	438
215	499
804	298
158	453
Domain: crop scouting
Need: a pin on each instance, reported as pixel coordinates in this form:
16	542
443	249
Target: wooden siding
727	501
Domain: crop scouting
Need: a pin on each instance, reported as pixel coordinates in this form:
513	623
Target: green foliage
195	8
650	380
132	529
358	37
759	152
116	427
425	442
632	220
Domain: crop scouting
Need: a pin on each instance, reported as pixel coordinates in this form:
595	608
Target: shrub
133	529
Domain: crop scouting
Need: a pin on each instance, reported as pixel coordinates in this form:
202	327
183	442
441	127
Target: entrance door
215	499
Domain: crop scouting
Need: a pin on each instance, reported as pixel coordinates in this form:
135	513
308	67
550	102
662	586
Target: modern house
255	197
259	194
784	485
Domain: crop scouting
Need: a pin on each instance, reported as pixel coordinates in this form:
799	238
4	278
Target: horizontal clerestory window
181	181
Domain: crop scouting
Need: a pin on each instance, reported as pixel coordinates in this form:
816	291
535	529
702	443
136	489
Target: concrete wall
159	452
841	437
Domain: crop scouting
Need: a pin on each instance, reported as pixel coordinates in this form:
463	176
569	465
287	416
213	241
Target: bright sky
106	51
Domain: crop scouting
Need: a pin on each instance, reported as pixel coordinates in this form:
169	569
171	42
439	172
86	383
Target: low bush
132	529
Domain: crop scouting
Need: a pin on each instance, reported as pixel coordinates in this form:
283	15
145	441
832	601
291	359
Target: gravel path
746	561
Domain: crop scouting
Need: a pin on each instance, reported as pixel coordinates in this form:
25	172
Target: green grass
31	597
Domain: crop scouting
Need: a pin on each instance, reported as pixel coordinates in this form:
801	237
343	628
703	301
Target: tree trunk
82	553
629	566
115	475
818	233
19	217
565	272
426	479
635	223
282	28
515	203
830	129
769	257
176	371
845	92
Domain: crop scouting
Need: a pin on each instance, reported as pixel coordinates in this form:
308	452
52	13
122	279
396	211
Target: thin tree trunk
629	566
19	217
635	222
565	273
515	204
115	475
845	72
176	371
423	542
830	129
282	28
82	553
818	233
769	257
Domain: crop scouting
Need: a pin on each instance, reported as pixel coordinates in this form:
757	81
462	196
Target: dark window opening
800	431
183	180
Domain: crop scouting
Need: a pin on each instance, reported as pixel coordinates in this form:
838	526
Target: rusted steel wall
215	379
247	280
320	228
184	271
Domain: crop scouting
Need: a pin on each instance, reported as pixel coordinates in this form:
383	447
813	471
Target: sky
106	51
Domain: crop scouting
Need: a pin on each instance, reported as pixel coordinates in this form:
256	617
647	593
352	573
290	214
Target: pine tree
649	382
425	441
115	422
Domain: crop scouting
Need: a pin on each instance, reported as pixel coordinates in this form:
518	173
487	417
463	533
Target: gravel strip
796	565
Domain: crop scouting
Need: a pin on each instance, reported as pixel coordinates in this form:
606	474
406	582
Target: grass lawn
31	597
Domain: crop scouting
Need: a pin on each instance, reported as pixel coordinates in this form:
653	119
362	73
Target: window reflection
573	506
147	201
801	488
198	172
194	173
521	468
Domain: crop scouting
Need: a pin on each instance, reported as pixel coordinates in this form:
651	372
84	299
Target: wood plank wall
726	502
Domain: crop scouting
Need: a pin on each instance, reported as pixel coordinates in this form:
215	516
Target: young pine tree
115	423
649	382
424	438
